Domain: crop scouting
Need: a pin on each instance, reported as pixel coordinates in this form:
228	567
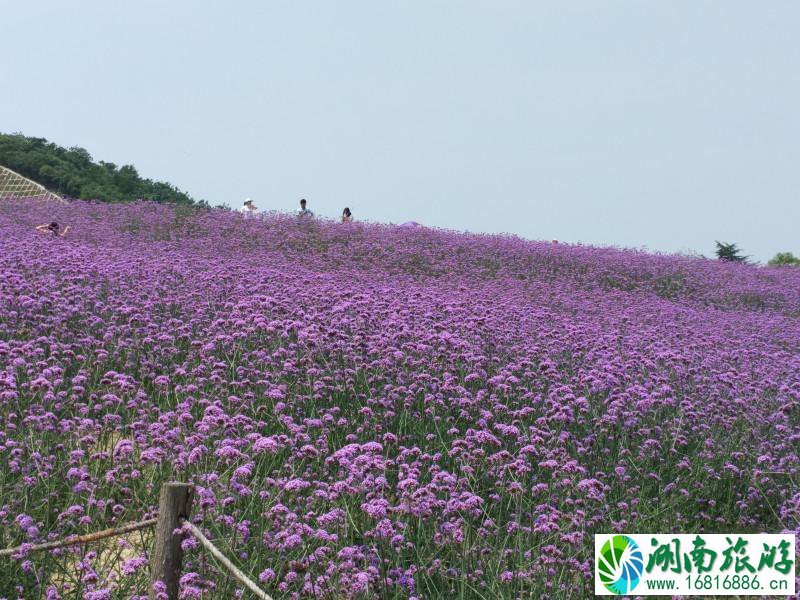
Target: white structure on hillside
14	185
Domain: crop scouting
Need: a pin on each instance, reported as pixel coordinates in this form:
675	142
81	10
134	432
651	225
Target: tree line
71	172
732	253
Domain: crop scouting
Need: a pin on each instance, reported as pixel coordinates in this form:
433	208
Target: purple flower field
371	411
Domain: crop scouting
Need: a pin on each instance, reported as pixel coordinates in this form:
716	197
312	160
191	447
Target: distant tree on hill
730	252
71	172
784	259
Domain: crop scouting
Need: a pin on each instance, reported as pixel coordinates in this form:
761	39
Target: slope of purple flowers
370	411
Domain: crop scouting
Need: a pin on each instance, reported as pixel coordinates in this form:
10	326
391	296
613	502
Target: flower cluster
375	411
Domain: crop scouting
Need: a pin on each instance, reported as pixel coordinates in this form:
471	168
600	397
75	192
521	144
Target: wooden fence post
174	503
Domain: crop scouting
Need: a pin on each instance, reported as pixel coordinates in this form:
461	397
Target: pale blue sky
661	124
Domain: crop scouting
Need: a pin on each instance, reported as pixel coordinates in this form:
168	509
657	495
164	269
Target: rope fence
75	540
232	569
174	506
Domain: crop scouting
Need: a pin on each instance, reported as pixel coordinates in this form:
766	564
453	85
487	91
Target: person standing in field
249	209
52	229
303	211
347	216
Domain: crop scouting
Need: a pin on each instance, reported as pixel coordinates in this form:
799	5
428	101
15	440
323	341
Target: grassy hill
72	172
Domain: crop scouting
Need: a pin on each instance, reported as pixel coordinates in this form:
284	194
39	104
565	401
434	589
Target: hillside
374	411
73	173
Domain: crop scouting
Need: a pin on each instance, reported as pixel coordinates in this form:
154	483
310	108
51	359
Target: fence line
175	501
232	569
74	540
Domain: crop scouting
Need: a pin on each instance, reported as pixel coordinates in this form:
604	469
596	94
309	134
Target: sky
665	125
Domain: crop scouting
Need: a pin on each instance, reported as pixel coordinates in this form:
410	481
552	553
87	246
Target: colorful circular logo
620	564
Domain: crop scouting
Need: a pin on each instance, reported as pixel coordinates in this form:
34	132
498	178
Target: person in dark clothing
52	229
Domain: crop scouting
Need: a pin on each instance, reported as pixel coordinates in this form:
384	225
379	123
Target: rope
234	571
99	535
80	539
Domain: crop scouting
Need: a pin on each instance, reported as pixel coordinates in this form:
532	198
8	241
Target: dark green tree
730	252
72	172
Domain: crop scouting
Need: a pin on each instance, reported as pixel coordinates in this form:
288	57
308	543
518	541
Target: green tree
784	259
127	179
730	252
72	172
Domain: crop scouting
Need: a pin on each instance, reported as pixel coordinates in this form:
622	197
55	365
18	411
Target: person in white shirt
249	209
303	211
